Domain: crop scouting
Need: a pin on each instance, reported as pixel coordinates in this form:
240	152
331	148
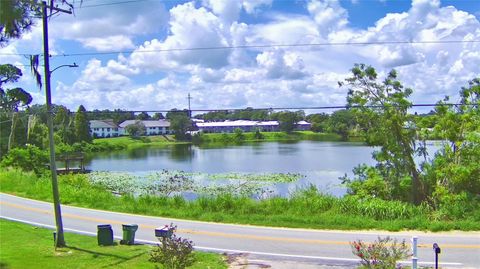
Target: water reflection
322	163
182	152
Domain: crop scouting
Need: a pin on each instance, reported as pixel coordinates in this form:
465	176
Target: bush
384	253
174	253
30	158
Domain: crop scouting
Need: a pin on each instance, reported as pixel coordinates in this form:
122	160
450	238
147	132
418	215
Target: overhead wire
258	47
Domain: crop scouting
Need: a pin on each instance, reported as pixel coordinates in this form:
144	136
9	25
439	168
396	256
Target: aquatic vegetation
173	182
117	182
268	177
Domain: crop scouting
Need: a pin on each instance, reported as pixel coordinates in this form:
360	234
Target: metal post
60	242
437	251
414	252
189	109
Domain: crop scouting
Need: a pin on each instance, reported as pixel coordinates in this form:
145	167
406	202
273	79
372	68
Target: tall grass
304	209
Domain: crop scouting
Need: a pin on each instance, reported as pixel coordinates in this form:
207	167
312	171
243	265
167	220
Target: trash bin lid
104	226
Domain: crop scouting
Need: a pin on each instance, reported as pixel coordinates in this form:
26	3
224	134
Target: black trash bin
105	235
129	234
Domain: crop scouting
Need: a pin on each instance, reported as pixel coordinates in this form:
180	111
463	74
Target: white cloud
116	26
328	14
190	27
264	77
278	64
110	43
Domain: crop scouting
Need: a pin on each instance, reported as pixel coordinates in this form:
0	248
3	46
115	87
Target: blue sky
150	73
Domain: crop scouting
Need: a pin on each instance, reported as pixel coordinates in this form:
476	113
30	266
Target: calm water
322	163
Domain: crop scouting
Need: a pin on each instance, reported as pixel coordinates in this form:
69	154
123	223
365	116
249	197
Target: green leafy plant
174	252
30	158
384	253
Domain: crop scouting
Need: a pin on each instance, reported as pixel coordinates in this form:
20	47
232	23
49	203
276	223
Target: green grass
305	209
126	142
270	136
25	246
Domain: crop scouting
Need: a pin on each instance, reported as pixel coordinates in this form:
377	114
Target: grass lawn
269	137
24	246
128	142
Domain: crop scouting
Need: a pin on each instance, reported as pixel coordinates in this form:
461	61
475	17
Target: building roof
147	123
237	123
302	122
242	123
102	124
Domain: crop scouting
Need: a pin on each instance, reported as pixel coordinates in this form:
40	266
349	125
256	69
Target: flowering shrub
174	252
384	253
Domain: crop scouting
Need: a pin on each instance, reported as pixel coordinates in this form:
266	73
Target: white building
104	128
152	127
245	125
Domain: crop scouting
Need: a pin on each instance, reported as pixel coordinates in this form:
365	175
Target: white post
414	252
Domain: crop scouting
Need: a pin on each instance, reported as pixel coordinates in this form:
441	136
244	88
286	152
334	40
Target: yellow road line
221	234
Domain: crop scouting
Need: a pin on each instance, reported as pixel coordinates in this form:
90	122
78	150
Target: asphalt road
276	245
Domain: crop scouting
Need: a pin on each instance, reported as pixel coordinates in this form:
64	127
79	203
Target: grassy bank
25	246
118	143
305	209
127	143
268	136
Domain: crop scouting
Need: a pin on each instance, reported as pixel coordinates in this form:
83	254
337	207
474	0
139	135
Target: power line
261	46
276	108
81	6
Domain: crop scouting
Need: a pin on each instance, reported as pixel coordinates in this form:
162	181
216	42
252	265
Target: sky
150	54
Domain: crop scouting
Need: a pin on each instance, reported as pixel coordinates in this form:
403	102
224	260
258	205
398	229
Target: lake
321	163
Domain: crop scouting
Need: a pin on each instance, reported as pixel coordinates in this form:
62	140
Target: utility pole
189	109
60	239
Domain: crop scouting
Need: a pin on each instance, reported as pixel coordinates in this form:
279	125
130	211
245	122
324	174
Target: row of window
107	129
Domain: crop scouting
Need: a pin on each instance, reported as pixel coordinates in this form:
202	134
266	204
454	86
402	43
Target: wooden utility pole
60	239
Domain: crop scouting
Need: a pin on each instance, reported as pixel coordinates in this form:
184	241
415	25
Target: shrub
174	252
384	253
30	158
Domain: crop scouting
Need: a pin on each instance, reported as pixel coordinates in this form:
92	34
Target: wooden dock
69	159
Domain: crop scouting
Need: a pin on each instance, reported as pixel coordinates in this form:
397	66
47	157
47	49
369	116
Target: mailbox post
437	251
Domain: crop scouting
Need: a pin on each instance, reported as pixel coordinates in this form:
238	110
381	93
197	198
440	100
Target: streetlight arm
63	65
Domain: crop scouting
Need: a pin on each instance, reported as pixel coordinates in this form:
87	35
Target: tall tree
381	109
456	167
12	99
64	125
180	124
82	129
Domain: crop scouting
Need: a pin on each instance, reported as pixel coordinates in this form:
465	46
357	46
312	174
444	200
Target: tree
287	120
136	130
318	121
238	135
142	116
158	116
63	125
175	112
12	99
381	110
455	170
18	16
180	123
341	122
82	129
